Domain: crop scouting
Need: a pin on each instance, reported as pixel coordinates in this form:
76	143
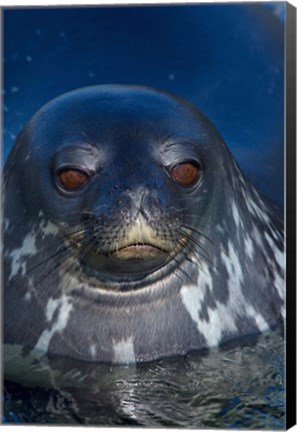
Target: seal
130	233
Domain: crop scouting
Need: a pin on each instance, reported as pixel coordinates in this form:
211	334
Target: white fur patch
280	259
6	224
28	248
279	256
257	236
93	350
223	317
124	351
279	284
260	321
220	229
233	267
51	306
48	228
235	213
255	209
219	318
65	308
249	247
28	296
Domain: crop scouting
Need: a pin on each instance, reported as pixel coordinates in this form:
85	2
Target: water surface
238	386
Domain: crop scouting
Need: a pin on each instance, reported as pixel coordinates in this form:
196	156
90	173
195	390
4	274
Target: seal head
130	232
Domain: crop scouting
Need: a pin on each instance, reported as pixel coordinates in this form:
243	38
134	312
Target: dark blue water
228	61
240	386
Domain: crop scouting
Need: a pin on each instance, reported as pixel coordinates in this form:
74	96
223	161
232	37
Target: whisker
194	252
72	263
84	250
50	259
62	248
51	270
200	233
58	239
207	238
181	270
194	240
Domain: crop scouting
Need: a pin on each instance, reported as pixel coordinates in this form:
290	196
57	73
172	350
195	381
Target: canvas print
143	216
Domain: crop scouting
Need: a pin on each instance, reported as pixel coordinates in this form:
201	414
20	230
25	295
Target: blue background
226	59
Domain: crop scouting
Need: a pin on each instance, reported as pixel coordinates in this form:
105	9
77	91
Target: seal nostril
136	197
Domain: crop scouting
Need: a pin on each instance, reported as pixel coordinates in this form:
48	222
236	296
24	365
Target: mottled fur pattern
228	280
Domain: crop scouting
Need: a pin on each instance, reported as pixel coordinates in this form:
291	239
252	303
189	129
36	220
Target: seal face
131	234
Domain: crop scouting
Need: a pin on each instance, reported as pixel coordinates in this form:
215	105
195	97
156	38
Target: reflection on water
238	386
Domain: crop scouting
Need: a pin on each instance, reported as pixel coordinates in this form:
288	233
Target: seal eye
186	173
72	179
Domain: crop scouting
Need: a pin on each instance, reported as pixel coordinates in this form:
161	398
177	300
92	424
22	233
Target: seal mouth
133	261
142	251
139	242
131	254
135	255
